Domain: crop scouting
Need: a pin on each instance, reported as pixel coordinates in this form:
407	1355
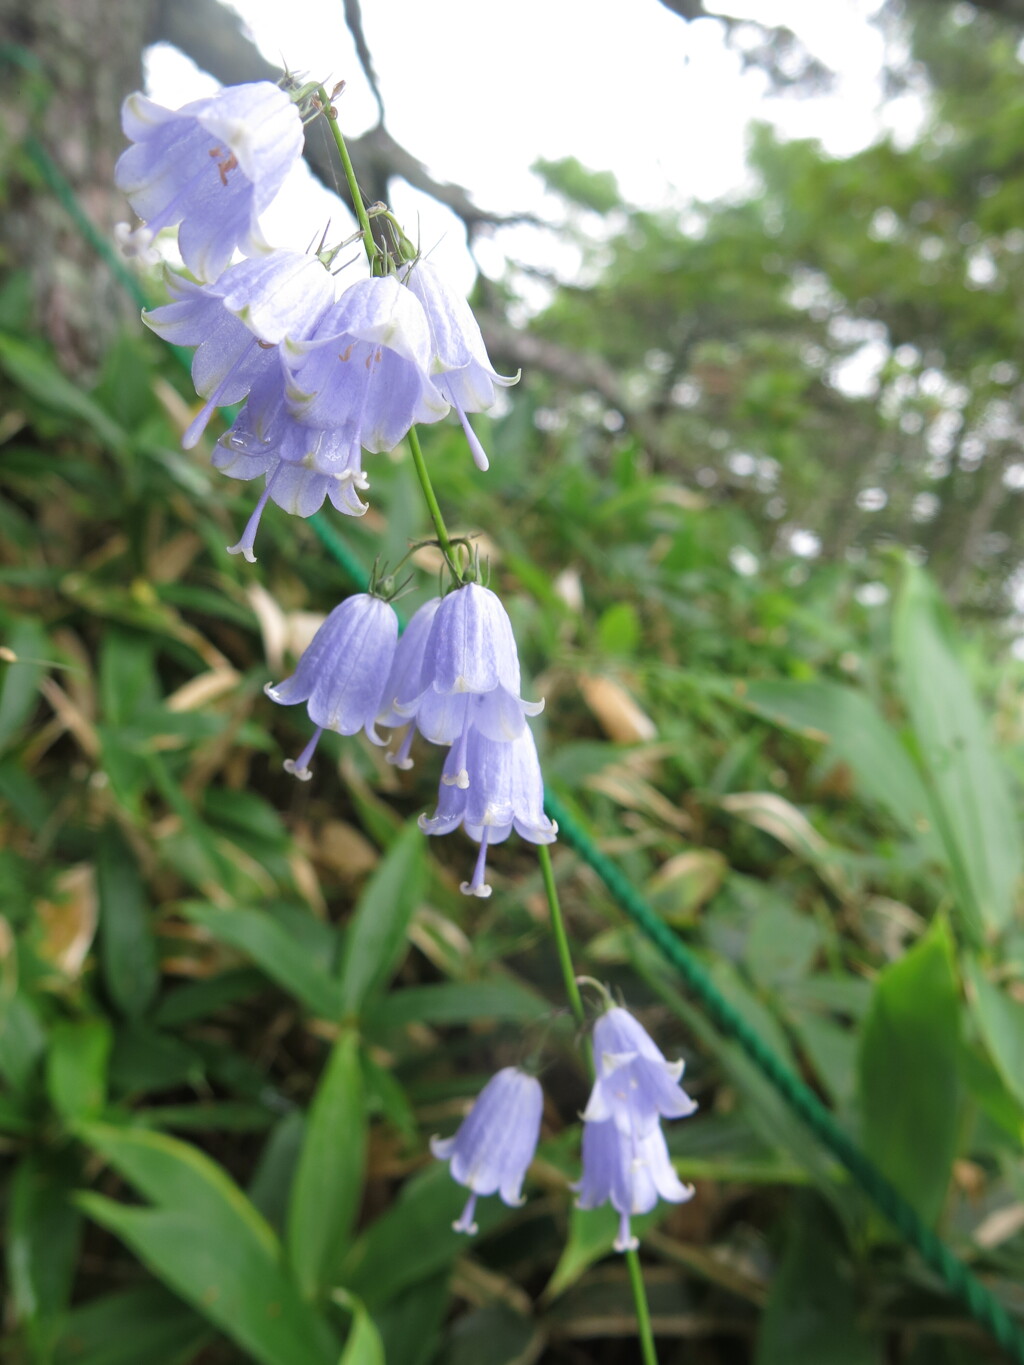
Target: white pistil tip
241	549
470	1229
470	889
460	780
397	761
303	774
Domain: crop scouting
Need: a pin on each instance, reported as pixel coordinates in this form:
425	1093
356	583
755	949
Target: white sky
479	91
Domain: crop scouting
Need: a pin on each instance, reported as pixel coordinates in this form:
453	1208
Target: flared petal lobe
496	1141
635	1085
341	675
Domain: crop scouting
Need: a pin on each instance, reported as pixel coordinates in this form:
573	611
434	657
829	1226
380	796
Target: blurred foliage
233	1008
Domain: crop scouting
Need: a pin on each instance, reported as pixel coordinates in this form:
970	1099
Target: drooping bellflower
238	322
303	465
365	367
495	1142
635	1085
630	1172
504	791
459	362
341	675
469	678
213	166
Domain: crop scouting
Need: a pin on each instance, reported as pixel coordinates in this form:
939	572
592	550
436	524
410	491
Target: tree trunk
68	65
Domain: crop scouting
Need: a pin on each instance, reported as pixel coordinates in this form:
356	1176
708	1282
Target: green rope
980	1302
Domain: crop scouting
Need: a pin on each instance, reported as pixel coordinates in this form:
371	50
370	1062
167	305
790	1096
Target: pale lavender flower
459	362
341	674
628	1171
406	678
469	677
366	366
504	791
303	465
237	323
635	1085
213	166
495	1142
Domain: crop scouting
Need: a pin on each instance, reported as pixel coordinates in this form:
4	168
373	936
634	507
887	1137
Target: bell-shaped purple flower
213	166
406	677
237	323
459	362
341	675
629	1172
504	791
303	465
495	1142
469	677
366	366
635	1085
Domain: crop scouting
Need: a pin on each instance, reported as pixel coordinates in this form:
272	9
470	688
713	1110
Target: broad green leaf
274	950
209	1244
363	1345
1001	1021
328	1181
376	935
592	1233
22	1039
127	947
493	1335
20	675
977	821
237	1284
859	736
414	1239
144	1324
781	945
812	1315
76	1067
908	1071
455	1002
410	1322
271	1183
43	1236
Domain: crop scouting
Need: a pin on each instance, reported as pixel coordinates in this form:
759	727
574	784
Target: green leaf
209	1244
127	947
857	735
455	1002
781	946
274	950
76	1067
618	630
812	1314
592	1233
41	378
145	1324
413	1239
376	936
328	1182
972	801
908	1071
22	1039
363	1345
1001	1021
19	690
410	1322
43	1236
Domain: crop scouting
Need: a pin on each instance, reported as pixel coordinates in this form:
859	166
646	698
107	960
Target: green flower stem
355	193
643	1312
572	990
420	464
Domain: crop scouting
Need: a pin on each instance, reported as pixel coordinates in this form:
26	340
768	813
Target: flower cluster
625	1159
326	372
